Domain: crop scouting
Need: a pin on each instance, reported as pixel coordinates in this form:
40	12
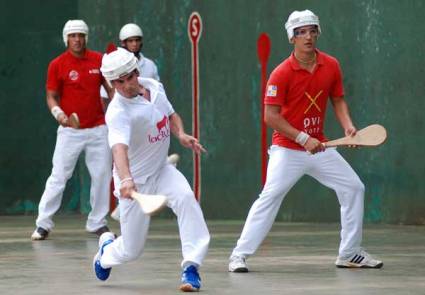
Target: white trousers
193	230
69	145
285	168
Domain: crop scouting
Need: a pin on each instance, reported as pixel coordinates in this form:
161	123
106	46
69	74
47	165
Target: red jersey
78	81
303	96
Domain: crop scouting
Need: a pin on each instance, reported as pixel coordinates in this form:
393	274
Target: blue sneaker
102	273
191	282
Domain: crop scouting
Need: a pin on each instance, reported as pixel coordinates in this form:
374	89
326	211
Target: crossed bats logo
313	101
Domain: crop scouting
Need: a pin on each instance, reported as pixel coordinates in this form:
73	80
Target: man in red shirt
295	104
73	83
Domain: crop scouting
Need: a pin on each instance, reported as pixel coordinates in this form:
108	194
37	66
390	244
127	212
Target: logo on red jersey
73	75
94	71
163	128
313	101
272	90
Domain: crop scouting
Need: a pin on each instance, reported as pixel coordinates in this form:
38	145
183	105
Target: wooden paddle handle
372	135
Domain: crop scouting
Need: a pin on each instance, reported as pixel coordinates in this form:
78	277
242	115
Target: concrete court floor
295	259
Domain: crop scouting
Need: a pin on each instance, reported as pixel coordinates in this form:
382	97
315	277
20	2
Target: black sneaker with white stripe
39	234
359	260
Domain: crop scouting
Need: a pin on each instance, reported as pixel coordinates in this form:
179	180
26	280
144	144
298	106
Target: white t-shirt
147	68
144	127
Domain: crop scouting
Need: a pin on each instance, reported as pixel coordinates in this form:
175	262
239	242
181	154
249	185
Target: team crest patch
272	90
73	75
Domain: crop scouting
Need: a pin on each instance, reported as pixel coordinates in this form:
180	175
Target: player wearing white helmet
295	104
131	37
73	81
140	120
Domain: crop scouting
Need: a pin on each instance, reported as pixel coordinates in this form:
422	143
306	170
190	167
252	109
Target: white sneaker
102	273
237	264
359	260
106	236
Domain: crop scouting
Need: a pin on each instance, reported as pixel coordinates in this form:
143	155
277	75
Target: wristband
56	111
302	138
126	179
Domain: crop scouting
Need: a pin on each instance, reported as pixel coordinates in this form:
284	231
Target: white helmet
118	63
74	26
299	19
130	30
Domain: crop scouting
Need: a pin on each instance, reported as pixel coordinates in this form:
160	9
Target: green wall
379	45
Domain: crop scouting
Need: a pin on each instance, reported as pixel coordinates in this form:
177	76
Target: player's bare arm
120	156
110	91
186	140
52	99
343	115
274	120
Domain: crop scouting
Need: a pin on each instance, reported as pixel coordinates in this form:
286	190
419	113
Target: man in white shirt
131	37
140	121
